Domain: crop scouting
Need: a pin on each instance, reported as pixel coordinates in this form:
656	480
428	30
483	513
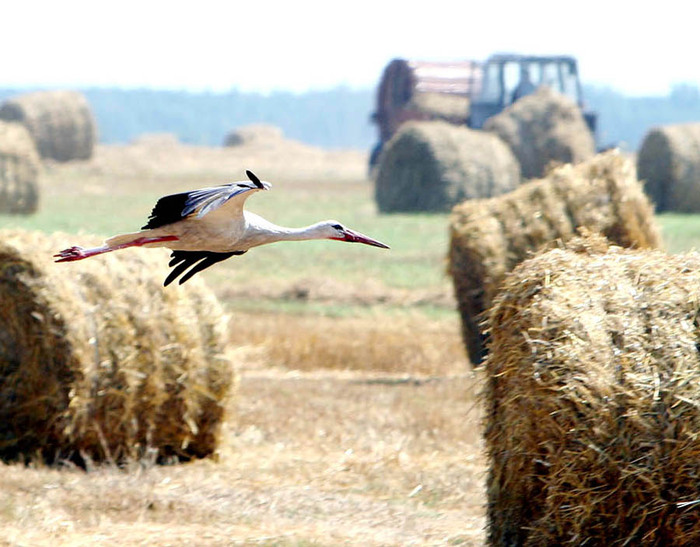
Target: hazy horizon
637	50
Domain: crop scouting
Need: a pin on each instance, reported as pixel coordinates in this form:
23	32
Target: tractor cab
509	77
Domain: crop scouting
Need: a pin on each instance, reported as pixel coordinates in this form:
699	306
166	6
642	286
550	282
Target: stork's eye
338	227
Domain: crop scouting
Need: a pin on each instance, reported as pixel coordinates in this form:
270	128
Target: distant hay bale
669	164
542	128
488	238
593	400
254	134
99	363
431	166
449	107
60	122
19	170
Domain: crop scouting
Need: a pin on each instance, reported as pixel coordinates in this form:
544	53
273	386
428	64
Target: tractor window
569	82
491	85
511	76
550	76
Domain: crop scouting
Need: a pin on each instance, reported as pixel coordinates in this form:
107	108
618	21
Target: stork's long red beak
357	237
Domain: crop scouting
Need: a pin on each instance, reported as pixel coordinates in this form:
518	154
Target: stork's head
338	232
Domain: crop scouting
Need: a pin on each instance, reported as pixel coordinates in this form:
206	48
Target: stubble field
356	420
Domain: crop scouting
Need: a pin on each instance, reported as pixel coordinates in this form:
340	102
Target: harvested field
60	122
541	129
593	399
311	459
341	434
385	451
490	237
100	364
165	163
669	164
157	141
432	166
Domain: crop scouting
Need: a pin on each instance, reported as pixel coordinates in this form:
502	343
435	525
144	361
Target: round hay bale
19	170
254	134
449	107
669	164
431	166
593	400
488	238
99	363
60	122
542	128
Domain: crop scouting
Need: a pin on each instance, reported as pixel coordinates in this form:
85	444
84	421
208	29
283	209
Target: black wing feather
167	210
253	177
175	207
198	260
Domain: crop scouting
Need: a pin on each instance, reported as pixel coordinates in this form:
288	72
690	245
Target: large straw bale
542	128
490	237
19	170
669	164
593	399
60	122
98	362
432	166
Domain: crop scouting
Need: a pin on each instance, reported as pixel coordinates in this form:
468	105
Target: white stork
206	226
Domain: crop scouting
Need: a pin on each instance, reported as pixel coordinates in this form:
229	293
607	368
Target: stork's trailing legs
79	253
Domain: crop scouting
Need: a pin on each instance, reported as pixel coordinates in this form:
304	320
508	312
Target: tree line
336	118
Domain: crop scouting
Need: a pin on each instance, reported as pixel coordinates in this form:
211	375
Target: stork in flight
206	226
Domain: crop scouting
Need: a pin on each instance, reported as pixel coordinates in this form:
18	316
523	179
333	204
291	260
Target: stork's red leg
79	253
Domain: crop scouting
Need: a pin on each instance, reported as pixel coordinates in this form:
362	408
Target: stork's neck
260	231
305	233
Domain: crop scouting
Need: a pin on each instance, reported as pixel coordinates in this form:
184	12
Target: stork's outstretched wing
199	260
227	200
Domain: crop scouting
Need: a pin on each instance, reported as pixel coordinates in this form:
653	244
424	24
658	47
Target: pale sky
638	48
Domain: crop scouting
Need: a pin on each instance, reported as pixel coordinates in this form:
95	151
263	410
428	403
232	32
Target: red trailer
424	90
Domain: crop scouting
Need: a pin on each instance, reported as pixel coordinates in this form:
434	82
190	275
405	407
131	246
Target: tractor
468	92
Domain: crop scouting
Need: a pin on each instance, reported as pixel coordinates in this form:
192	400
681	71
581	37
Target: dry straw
490	237
542	128
669	164
19	170
449	107
60	122
431	166
593	399
99	363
